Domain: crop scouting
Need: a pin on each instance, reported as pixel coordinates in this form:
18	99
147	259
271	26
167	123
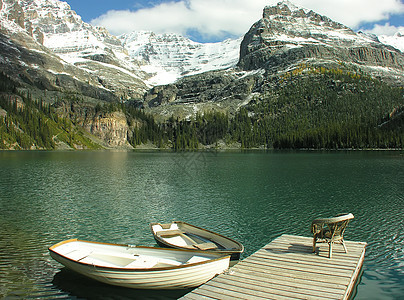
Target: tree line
319	109
28	123
316	109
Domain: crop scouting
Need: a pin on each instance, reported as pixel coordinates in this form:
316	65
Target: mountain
126	65
396	40
288	35
295	77
285	39
170	56
47	52
87	51
48	55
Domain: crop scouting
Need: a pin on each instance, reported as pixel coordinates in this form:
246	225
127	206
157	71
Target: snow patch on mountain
307	18
163	58
292	6
397	40
67	35
153	58
170	56
6	19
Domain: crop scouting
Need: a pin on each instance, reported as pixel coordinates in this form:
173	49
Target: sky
217	20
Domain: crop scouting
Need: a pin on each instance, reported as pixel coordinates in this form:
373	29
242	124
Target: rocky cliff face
89	48
111	128
224	91
288	35
35	67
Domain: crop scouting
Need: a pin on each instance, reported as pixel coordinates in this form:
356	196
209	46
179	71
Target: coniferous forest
315	109
32	124
322	109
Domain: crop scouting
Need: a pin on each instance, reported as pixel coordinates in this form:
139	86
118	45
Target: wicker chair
330	230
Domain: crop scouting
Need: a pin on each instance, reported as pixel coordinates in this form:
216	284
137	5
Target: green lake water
253	197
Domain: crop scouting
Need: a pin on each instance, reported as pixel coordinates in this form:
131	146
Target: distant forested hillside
306	108
315	108
324	109
27	123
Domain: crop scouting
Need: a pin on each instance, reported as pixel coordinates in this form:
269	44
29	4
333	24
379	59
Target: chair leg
330	250
343	245
314	245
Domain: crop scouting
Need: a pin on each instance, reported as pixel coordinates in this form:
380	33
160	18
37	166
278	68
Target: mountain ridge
172	56
77	43
133	60
304	34
159	58
280	42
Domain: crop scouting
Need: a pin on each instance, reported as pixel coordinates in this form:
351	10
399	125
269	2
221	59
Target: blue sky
216	20
91	9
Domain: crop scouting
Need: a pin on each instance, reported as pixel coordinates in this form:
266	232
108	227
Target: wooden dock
286	268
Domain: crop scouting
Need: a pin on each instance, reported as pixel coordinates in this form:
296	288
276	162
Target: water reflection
74	284
47	197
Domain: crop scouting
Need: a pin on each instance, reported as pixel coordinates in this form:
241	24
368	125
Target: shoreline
207	149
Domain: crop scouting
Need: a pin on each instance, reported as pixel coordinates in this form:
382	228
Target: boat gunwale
226	250
221	256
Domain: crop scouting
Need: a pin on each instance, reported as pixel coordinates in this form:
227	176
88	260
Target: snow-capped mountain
396	40
82	47
288	35
129	64
287	40
119	62
169	56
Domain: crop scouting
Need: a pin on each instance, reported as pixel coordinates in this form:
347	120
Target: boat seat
78	255
169	233
142	262
165	226
196	259
205	246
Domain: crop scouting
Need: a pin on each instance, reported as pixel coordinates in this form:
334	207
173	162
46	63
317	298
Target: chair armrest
337	219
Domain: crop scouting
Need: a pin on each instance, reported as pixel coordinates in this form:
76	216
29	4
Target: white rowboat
139	267
181	235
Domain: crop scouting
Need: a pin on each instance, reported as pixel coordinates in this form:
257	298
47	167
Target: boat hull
178	277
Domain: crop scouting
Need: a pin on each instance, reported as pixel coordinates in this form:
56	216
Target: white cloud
221	18
386	29
166	17
353	13
209	17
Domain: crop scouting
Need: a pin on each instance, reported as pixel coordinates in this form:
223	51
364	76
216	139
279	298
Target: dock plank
282	287
315	260
299	266
274	277
286	268
289	275
280	280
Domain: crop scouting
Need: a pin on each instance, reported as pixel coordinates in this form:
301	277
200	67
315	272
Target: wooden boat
181	235
139	267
